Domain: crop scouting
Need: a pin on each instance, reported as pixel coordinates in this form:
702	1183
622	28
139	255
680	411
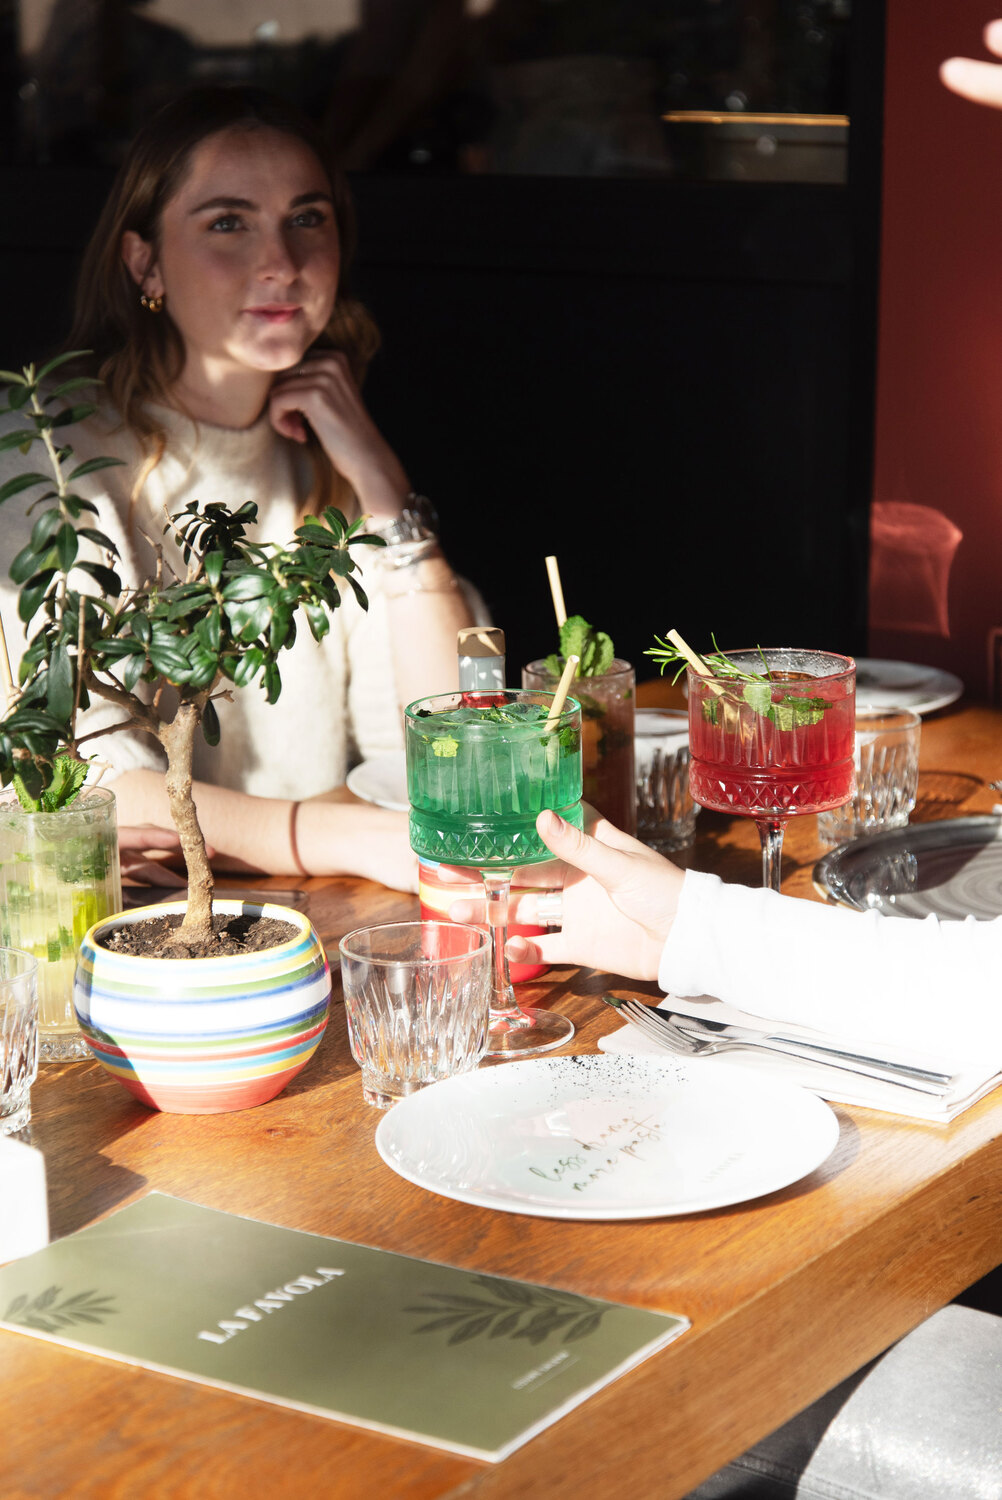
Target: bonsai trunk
178	739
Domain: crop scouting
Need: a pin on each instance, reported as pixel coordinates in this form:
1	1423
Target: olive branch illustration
48	1315
513	1311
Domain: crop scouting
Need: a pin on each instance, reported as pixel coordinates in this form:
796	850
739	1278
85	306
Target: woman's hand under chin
322	392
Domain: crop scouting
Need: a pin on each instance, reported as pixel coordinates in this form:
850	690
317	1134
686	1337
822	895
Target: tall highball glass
480	766
774	740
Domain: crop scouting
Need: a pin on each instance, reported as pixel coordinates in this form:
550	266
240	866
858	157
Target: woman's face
248	258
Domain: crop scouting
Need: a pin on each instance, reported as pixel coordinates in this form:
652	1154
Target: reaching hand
322	391
137	842
619	898
981	82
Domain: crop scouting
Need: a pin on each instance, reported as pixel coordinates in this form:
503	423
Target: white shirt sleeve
857	973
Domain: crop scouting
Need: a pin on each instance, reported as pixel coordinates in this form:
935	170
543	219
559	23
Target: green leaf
75	504
134	669
248	666
213	565
210	724
59	685
797	713
27	562
106	578
99	539
28	784
68	776
317	618
209	630
759	696
93	464
61	359
66	547
17	439
22	482
141	628
359	593
33	594
10	377
272	682
18	396
47	524
250	585
72	414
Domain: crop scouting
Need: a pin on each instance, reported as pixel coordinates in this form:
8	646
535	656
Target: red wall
939	381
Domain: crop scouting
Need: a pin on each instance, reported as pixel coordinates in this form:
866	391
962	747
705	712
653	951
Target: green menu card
476	1364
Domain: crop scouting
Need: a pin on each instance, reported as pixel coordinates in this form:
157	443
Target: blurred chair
911	551
922	1422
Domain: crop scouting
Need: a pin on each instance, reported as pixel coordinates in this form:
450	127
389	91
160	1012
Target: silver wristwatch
417	522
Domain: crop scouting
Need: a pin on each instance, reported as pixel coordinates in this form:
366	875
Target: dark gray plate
953	869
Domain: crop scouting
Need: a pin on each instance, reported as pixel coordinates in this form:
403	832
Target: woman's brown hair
139	356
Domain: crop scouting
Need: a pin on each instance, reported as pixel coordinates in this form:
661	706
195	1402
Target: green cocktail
480	767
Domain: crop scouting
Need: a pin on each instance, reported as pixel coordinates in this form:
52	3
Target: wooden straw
8	677
553	573
570	667
696	662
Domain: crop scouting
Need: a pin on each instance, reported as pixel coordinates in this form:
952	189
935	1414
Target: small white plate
382	780
901	684
611	1136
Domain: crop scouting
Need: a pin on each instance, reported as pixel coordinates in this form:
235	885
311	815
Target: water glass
417	997
18	1037
666	813
886	776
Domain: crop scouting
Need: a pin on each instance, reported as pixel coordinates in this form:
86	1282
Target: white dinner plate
382	780
611	1136
902	684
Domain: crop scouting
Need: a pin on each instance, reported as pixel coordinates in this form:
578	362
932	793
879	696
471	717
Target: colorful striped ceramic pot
201	1036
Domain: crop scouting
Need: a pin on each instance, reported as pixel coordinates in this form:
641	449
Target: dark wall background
667	384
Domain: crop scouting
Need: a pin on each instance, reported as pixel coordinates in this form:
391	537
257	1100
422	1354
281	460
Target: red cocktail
772	738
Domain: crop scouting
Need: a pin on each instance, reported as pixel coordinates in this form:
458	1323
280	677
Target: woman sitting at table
211	297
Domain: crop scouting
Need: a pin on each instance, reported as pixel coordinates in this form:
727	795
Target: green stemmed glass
480	767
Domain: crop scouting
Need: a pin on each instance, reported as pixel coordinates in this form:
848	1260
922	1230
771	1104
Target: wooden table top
787	1295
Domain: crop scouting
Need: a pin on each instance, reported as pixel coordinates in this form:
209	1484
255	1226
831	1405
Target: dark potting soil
235	934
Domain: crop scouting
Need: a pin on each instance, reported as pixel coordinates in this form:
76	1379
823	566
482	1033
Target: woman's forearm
280	837
426	609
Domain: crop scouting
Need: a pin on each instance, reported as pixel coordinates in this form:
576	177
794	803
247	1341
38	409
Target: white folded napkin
968	1083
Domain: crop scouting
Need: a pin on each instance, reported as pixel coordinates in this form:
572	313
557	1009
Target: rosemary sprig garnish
792	711
716	662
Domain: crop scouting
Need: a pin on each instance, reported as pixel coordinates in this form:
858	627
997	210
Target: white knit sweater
338	701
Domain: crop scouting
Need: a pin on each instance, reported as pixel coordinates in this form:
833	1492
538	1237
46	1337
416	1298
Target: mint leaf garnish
758	695
797	713
593	648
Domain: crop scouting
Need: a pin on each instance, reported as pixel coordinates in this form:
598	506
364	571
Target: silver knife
799	1047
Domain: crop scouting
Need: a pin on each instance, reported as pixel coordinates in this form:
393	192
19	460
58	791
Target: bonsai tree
222	626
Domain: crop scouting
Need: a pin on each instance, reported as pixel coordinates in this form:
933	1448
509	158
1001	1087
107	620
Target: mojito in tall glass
59	874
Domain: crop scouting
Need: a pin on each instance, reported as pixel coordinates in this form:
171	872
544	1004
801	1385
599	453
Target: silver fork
662	1029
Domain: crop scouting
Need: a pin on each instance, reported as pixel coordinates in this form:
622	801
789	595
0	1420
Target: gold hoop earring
151	304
